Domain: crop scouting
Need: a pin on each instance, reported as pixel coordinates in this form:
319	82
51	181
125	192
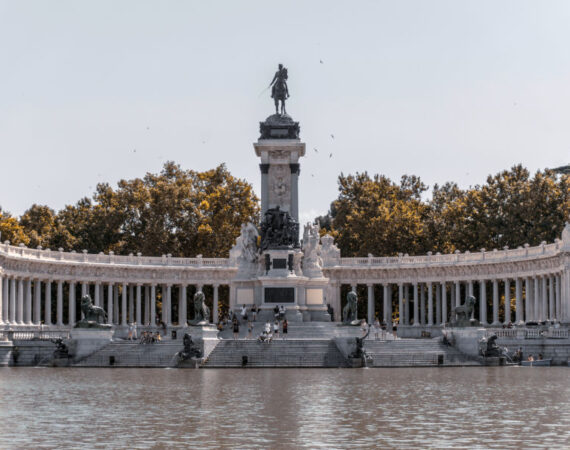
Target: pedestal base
85	341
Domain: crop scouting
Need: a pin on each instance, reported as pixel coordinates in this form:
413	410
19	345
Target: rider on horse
279	90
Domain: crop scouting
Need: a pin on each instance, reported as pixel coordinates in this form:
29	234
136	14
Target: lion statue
91	314
463	312
350	311
201	311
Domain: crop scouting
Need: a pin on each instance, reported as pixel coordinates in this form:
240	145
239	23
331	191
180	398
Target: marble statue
93	316
312	261
350	311
330	253
279	88
201	311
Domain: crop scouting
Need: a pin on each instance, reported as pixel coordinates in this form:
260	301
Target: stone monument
201	311
90	333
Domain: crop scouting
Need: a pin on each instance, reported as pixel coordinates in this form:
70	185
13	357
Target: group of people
380	329
267	335
148	337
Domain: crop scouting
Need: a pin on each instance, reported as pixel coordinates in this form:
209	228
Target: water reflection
459	407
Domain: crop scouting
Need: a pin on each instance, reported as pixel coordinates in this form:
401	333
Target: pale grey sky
447	90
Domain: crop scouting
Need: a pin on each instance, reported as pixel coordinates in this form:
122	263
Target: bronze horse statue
279	89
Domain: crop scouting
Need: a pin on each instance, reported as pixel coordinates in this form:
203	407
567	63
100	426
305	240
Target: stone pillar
71	303
97	299
169	304
264	187
443	302
59	306
496	322
20	309
139	315
28	303
386	317
437	304
527	299
164	316
483	304
470	287
416	306
3	300
558	298
551	311
370	302
215	305
507	301
110	303
519	302
147	305
407	304
131	316
47	317
401	312
457	294
84	289
153	305
536	315
544	299
124	305
430	303
12	306
295	170
422	304
182	312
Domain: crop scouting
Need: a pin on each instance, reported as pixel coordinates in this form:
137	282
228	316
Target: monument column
71	305
131	316
138	306
295	170
20	310
551	312
422	304
47	319
215	305
544	299
536	315
443	302
385	303
370	309
527	299
519	301
558	298
264	168
430	304
437	304
407	304
507	301
147	305
401	312
124	305
496	303
153	305
28	304
97	299
182	313
483	300
84	289
457	301
168	305
12	313
59	308
416	306
3	299
110	306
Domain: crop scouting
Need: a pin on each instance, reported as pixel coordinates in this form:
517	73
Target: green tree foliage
11	230
181	212
375	215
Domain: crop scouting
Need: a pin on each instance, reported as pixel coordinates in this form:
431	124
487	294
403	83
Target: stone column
407	304
536	315
519	302
295	170
416	306
264	168
457	294
59	306
483	300
169	304
401	312
71	303
496	322
470	287
437	304
182	302
153	305
20	310
138	317
12	306
84	288
507	301
110	305
422	304
558	298
443	302
544	299
3	300
28	303
389	300
215	304
36	310
124	305
97	299
430	304
370	309
147	305
386	316
551	311
527	299
131	316
47	317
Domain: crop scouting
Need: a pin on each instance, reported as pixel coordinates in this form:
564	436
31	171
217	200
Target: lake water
498	407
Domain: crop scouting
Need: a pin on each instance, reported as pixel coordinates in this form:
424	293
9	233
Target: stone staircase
277	353
134	354
415	353
298	330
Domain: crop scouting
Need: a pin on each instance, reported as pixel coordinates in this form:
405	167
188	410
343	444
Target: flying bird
330	156
315	149
321	61
332	135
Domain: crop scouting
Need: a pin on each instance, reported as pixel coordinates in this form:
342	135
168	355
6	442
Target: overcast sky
447	90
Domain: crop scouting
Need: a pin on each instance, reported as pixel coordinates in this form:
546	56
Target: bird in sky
312	174
332	135
330	156
321	61
315	149
135	150
148	128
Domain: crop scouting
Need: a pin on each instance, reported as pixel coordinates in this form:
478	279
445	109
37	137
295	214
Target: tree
11	230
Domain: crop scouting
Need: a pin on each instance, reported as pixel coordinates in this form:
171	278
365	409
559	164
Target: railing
33	335
101	258
529	333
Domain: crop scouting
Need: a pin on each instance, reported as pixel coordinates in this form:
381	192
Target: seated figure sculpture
201	311
350	311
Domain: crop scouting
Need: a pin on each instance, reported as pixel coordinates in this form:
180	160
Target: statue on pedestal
464	312
93	316
201	311
279	230
350	311
279	89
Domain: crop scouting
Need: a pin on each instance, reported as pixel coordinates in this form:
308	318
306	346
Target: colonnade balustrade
499	301
29	301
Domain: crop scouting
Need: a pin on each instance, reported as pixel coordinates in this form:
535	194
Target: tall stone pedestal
85	341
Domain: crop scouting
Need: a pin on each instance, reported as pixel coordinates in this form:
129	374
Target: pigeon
312	174
315	149
330	156
148	128
135	150
321	61
332	135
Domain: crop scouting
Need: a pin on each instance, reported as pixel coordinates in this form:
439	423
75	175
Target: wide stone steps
277	353
134	354
296	330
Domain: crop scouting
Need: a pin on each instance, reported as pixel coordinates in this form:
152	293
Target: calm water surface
273	408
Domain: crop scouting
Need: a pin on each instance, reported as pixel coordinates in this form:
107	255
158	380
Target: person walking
276	329
236	328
